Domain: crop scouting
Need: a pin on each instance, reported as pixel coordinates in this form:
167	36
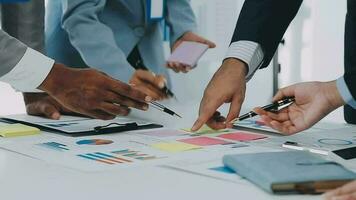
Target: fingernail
161	85
148	99
56	116
194	128
153	74
145	107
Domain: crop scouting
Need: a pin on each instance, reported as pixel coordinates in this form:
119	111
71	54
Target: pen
168	92
273	106
162	108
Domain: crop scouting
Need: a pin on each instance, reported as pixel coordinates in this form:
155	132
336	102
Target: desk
26	178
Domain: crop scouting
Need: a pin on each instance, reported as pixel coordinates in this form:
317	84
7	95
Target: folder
289	172
81	126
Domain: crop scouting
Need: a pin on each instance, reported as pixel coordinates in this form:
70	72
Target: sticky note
242	136
205	130
174	147
204	141
16	130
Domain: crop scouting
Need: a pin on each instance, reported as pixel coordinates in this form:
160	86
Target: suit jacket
350	58
25	21
11	52
265	22
102	33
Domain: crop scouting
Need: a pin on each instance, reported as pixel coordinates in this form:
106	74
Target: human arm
181	20
313	101
93	39
259	29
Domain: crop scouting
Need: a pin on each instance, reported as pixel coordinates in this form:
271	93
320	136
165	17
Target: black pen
270	107
168	92
162	108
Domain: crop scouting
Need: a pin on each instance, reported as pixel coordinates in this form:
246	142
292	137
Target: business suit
11	52
265	22
101	33
25	21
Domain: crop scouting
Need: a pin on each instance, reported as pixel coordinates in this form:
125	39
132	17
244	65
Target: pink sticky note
204	141
242	136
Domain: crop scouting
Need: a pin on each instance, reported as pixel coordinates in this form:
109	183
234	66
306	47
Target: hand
149	83
346	192
313	101
227	85
92	93
188	36
41	104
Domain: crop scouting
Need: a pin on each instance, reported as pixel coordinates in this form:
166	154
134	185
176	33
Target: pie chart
94	142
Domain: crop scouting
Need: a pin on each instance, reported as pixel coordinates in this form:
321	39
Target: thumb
43	109
285	92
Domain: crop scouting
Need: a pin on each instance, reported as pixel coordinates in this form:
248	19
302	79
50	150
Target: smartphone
188	53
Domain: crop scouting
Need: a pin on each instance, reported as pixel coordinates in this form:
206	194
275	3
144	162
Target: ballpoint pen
270	107
163	108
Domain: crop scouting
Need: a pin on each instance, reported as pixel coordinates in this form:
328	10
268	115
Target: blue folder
289	172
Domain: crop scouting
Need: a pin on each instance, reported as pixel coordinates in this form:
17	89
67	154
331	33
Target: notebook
289	172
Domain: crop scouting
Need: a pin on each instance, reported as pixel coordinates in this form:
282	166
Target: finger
43	109
280	116
126	90
153	92
208	107
99	114
115	109
234	111
207	42
285	92
217	122
346	189
284	128
111	97
179	66
148	77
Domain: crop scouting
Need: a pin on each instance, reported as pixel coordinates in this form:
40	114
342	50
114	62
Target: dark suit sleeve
350	48
265	22
25	22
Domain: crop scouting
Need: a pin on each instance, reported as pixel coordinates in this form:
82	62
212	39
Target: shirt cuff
249	52
345	92
30	71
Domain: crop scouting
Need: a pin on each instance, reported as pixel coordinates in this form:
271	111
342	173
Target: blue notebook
289	172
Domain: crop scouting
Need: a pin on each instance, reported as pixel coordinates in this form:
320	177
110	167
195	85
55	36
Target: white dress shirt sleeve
249	52
29	72
345	92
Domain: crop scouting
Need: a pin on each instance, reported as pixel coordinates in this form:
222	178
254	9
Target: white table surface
27	178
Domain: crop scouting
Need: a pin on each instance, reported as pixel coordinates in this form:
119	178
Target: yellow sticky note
15	130
205	130
175	146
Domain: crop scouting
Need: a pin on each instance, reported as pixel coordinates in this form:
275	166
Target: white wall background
314	45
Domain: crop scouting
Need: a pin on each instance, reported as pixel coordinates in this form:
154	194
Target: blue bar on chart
104	158
54	146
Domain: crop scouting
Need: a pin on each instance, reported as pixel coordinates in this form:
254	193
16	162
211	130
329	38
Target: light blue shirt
345	92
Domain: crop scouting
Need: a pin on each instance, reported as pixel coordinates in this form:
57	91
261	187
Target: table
22	177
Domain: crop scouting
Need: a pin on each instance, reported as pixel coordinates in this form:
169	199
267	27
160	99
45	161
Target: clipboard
104	127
